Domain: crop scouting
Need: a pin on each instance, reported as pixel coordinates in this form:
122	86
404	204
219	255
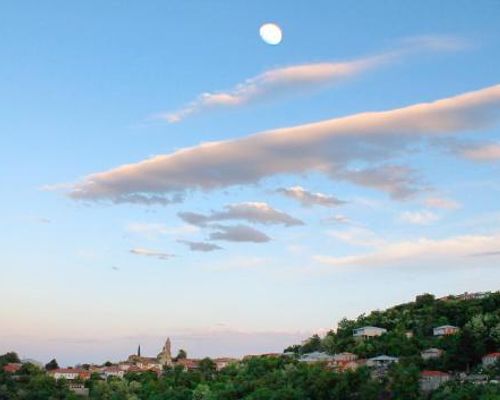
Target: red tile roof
434	373
12	367
495	354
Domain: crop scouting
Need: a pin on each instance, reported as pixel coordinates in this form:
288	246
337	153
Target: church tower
165	356
139	351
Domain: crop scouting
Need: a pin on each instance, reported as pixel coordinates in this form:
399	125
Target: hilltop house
445	330
490	359
368	332
12	368
223	362
343	357
431	353
318	357
70	374
381	361
431	380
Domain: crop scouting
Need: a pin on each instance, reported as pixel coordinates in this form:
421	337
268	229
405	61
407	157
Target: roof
68	371
433	350
495	354
12	367
383	358
429	373
446	326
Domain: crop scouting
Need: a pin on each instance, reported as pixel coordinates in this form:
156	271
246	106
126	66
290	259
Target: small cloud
114	268
308	199
254	212
486	152
442	203
151	253
486	254
200	246
238	233
337	219
424	217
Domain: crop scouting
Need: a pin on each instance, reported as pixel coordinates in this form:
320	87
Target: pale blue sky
82	86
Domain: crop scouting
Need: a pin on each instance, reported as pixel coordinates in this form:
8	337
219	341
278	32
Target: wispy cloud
486	152
442	203
151	253
308	199
422	217
238	233
331	147
337	219
255	212
294	79
419	251
200	246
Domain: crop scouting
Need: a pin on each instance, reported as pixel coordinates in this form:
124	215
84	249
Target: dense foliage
286	378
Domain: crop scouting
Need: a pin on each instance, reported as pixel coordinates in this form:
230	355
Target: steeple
139	351
165	356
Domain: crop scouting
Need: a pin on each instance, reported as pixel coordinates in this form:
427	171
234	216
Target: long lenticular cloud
330	147
296	78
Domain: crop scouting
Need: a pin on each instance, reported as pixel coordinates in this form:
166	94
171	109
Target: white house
115	371
368	331
431	353
490	359
317	357
381	361
69	374
445	330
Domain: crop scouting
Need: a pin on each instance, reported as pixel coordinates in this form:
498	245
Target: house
368	332
381	361
318	357
477	379
429	354
445	330
223	362
490	359
342	357
12	368
347	365
431	380
69	374
113	371
189	364
409	334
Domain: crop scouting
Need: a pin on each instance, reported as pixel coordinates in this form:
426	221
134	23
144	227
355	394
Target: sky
165	172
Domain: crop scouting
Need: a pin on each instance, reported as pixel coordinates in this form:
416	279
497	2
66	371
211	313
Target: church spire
139	351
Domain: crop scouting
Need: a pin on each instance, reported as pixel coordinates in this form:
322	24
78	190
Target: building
318	357
490	359
445	330
431	380
70	374
113	371
12	368
381	361
368	332
165	356
188	364
429	354
344	357
223	362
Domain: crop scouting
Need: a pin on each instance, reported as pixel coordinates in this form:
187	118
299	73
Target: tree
10	357
52	364
181	355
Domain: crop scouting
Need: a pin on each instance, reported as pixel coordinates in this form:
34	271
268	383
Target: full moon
271	34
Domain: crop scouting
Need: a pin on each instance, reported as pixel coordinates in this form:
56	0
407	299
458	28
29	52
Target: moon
271	34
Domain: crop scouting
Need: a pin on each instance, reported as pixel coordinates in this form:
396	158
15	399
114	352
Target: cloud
252	212
357	236
420	251
308	199
238	233
487	152
296	78
200	246
151	253
424	217
486	254
442	203
331	147
337	219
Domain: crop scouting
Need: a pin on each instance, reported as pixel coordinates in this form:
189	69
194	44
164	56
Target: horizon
186	170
